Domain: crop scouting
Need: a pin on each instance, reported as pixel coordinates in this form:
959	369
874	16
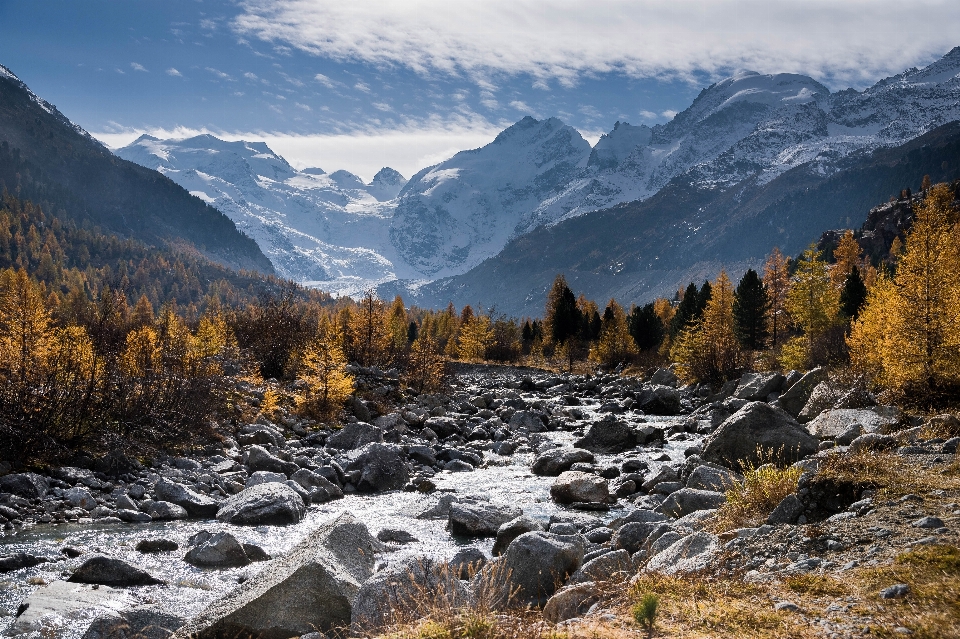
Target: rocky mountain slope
47	158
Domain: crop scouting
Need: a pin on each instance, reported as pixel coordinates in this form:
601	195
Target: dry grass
892	474
751	501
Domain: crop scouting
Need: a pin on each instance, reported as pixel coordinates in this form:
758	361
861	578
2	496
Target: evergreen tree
854	295
703	297
750	307
686	310
646	327
562	316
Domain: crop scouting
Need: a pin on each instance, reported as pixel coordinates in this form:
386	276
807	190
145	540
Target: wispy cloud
136	66
251	76
220	74
324	80
174	73
305	107
362	86
837	42
649	115
382	106
669	114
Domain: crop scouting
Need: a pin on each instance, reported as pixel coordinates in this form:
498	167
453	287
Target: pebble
895	591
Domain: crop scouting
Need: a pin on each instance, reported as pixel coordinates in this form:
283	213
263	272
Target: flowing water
189	589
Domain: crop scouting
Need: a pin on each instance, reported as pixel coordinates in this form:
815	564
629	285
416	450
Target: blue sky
359	85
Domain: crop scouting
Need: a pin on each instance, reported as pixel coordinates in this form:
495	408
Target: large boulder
270	504
217	550
144	622
659	400
755	387
80	498
845	424
319	488
397	592
107	571
19	560
758	426
479	519
796	396
710	478
822	397
536	563
527	421
194	503
557	460
609	435
59	604
576	487
571	601
355	435
381	466
511	530
690	554
27	485
165	511
632	536
259	458
310	589
608	566
687	500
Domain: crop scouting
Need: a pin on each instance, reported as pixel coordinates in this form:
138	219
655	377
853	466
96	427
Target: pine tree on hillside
853	295
776	279
687	310
750	307
703	297
562	317
646	327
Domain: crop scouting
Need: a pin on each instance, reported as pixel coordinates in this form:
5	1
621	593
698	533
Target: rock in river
108	571
272	504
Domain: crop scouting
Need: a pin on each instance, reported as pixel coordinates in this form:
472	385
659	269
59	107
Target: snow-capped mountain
329	230
336	232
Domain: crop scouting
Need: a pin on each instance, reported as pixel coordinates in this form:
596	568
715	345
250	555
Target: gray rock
26	485
156	545
165	511
896	591
821	398
795	397
528	421
310	589
786	606
571	601
396	536
639	515
512	529
270	504
872	441
928	522
19	560
576	487
265	477
687	500
467	562
611	565
631	537
355	435
60	601
382	467
218	550
757	386
259	458
458	466
481	519
319	488
108	571
133	516
758	425
397	592
663	541
690	554
553	462
145	622
845	424
195	504
659	400
661	475
124	502
80	498
664	377
787	511
609	435
710	478
536	562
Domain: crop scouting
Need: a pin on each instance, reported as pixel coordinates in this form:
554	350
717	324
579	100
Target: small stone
156	545
928	522
787	606
396	536
895	591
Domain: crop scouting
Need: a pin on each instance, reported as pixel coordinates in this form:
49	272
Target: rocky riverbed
542	479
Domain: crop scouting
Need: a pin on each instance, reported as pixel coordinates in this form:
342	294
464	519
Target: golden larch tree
708	351
615	344
776	278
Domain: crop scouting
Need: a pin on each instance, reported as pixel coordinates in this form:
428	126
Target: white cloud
138	67
669	114
173	72
382	106
324	80
362	86
305	107
251	76
407	149
220	74
838	42
648	115
520	105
